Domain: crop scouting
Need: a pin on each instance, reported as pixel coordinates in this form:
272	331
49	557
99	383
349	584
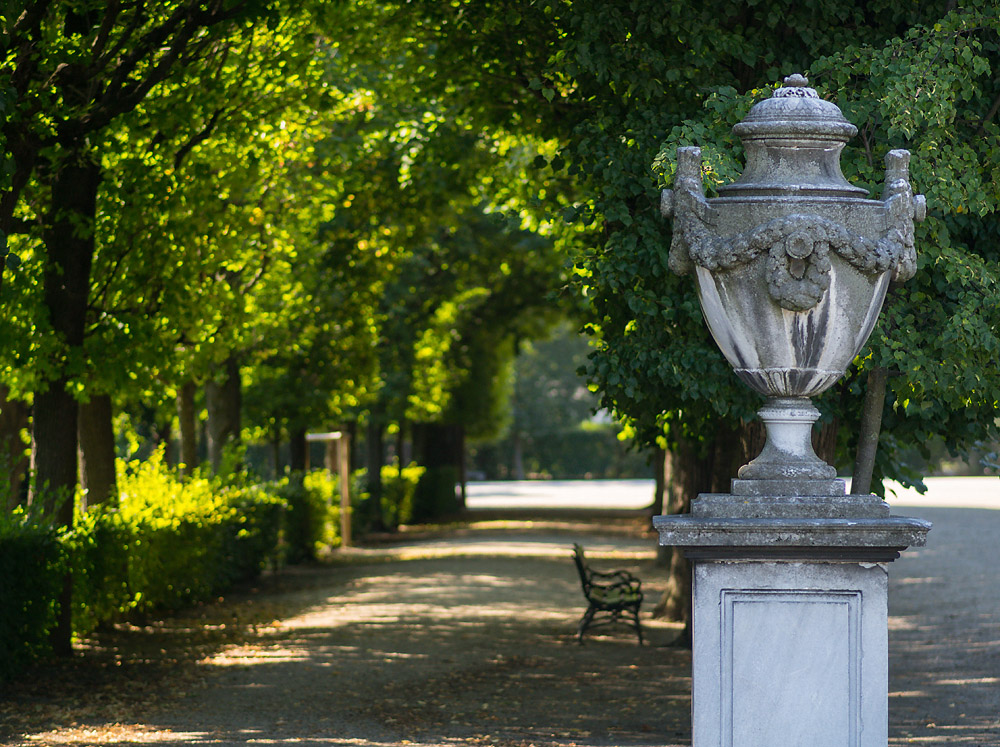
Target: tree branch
111	11
203	134
989	116
871	425
31	16
123	40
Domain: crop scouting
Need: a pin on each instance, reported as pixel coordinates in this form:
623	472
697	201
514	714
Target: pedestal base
790	626
790	653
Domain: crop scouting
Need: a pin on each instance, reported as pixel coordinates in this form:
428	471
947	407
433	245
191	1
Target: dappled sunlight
493	548
440	598
115	734
246	655
138	735
975	681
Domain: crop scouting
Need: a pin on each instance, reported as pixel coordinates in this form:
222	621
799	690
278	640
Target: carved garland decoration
798	248
797	245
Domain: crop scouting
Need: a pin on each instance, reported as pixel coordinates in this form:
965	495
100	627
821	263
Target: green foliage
399	487
32	567
312	517
624	83
619	85
435	496
169	543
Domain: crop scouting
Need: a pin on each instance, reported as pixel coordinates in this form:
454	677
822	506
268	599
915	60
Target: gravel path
468	639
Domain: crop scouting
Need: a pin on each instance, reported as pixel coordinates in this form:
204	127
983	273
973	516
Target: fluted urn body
792	263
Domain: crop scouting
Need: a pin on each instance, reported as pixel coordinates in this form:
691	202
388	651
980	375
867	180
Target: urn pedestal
792	264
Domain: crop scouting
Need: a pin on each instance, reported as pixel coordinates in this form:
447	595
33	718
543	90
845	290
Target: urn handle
667	203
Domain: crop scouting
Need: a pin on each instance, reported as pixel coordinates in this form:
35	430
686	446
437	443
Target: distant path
945	492
548	494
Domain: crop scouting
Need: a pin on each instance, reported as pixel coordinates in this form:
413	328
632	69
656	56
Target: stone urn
792	263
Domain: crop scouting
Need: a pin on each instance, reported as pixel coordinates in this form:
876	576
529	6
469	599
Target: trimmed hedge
399	487
168	543
31	576
312	515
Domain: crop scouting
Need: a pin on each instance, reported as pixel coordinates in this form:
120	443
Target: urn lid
792	143
796	111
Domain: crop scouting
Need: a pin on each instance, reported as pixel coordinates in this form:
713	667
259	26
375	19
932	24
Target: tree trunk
96	450
187	425
69	253
871	426
14	418
53	451
659	480
165	438
690	469
517	466
297	446
460	458
375	458
69	249
222	399
276	449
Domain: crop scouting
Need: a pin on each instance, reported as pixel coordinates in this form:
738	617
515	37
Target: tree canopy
277	217
621	86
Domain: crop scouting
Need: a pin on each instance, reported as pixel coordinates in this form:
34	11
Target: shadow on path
467	638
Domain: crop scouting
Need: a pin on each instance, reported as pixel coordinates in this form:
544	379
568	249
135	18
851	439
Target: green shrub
250	532
31	572
435	494
183	540
98	547
168	543
312	515
399	486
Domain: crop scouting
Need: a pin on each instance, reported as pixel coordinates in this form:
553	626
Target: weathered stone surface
788	459
685	530
778	487
774	506
790	654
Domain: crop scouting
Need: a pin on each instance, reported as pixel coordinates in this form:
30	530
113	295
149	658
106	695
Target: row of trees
219	197
282	216
621	85
220	219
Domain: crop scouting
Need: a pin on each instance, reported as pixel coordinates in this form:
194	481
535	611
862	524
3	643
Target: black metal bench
615	596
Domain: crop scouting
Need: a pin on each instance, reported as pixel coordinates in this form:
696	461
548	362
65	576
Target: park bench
612	597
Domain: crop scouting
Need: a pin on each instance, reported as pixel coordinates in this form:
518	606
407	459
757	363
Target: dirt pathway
468	639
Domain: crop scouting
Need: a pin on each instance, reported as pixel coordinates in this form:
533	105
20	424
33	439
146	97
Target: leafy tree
617	82
72	69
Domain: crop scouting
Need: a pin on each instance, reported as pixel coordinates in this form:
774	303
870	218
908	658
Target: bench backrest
581	566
